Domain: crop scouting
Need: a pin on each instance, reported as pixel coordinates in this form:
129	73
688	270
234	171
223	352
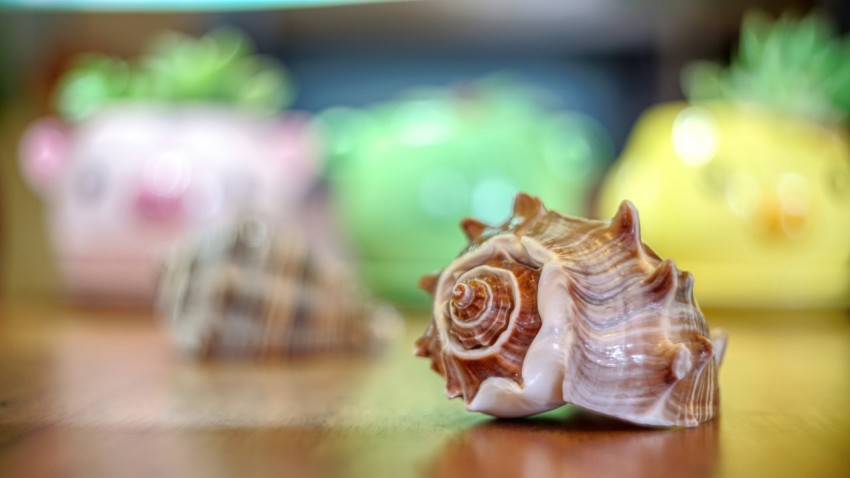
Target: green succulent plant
218	67
799	66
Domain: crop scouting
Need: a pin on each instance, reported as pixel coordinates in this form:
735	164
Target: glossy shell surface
548	309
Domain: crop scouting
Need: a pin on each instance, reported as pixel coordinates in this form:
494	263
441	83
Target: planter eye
838	182
89	184
240	189
715	177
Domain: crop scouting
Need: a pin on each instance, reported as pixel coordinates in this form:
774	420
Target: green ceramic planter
404	173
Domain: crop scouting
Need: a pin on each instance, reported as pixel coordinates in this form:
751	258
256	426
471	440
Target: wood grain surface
87	393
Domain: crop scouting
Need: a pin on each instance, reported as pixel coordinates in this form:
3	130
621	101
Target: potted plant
747	184
405	172
147	151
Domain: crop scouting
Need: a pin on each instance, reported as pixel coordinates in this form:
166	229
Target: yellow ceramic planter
755	204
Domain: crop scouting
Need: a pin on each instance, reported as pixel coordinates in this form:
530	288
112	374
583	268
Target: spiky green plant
219	67
799	66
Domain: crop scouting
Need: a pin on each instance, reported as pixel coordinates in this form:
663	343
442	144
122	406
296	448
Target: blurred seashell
261	289
548	309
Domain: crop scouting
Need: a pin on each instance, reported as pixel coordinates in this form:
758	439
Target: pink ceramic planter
121	187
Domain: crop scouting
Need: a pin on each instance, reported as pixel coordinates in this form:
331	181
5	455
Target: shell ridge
559	228
663	283
602	298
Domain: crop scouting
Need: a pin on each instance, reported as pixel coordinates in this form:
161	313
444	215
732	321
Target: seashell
548	309
259	289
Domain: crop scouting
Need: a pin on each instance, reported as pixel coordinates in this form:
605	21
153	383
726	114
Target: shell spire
548	309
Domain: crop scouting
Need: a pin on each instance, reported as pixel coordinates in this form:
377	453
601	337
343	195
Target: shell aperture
548	309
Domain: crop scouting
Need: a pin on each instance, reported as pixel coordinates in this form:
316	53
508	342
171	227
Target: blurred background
377	126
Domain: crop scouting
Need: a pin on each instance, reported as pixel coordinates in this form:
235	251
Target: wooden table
102	393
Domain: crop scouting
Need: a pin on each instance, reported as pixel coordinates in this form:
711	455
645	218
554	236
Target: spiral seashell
548	309
256	289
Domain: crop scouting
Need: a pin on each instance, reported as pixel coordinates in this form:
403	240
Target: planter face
756	205
123	186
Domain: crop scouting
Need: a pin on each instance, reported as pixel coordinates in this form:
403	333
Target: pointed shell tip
473	228
428	283
626	220
526	205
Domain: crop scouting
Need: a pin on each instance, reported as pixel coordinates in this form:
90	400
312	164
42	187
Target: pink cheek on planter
164	183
